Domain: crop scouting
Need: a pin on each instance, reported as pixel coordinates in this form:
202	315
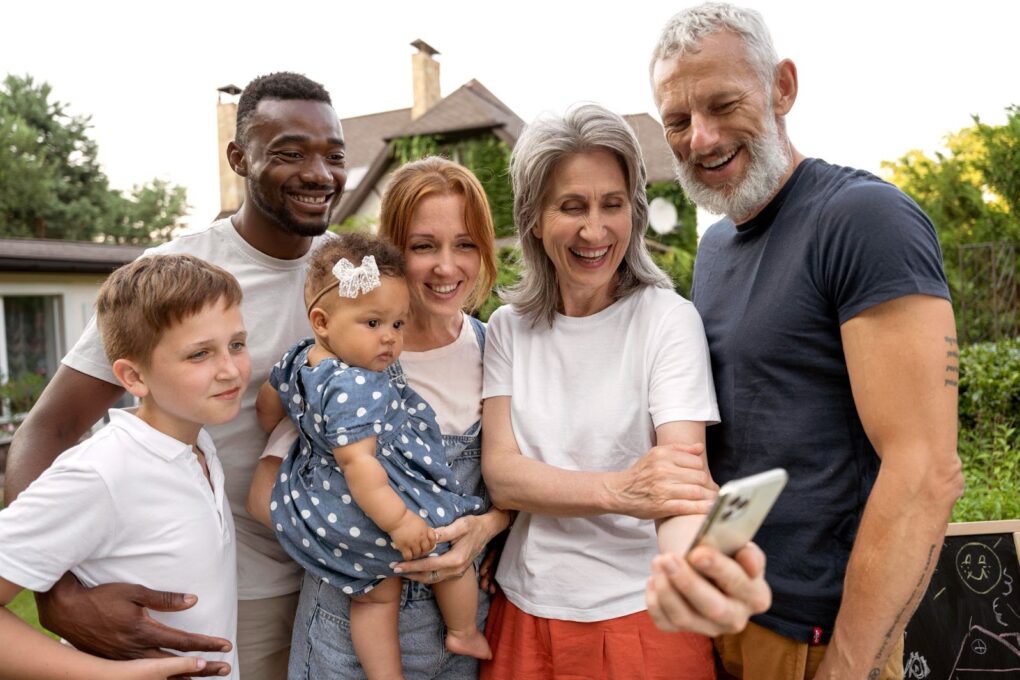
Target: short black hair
282	85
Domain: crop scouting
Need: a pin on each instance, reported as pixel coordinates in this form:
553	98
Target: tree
150	214
971	192
1000	165
51	183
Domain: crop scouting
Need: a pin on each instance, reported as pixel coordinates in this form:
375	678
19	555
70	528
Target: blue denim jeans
321	648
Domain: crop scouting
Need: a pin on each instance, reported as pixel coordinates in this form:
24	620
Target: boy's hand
412	536
158	669
111	621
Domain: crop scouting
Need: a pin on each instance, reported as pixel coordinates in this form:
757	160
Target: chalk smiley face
979	567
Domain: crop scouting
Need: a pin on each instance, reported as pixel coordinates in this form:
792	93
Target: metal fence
987	294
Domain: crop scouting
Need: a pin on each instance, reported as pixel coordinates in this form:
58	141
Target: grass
23	606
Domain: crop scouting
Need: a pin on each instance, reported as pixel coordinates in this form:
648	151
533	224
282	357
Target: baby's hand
412	536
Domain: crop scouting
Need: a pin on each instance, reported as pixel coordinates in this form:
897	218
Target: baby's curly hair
354	247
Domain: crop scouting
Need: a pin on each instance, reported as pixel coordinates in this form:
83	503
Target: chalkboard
968	623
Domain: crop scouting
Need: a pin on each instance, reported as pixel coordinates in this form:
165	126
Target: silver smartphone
739	510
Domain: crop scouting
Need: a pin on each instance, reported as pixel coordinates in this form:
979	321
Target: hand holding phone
739	510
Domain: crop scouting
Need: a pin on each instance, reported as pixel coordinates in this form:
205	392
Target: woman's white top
450	380
587	394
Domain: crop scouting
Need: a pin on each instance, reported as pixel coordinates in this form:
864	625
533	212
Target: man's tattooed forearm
904	614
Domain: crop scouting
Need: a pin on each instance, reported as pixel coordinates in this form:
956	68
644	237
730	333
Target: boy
142	501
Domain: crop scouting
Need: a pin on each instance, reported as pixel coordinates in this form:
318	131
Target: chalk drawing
979	567
916	667
971	661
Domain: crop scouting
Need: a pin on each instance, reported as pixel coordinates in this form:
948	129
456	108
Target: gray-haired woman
597	390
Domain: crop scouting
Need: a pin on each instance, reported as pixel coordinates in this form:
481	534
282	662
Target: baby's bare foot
468	643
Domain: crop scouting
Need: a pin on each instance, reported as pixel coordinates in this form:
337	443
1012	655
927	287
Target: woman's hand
468	536
669	480
707	592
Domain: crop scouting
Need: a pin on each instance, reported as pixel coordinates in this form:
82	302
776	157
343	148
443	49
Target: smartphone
739	510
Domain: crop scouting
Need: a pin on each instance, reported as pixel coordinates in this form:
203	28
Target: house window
31	344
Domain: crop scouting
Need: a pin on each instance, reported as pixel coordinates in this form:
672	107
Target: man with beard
834	354
290	149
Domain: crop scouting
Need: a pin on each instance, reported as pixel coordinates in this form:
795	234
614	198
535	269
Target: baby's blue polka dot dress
316	520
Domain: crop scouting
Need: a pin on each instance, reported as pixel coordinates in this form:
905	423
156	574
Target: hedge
990	431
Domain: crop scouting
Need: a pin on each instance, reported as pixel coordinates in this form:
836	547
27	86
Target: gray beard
770	159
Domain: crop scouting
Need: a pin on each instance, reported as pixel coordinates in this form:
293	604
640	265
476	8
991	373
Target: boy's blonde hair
141	300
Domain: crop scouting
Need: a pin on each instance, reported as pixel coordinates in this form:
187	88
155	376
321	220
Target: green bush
509	271
679	264
21	391
990	431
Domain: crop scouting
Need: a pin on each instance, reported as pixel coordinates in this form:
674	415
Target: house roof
366	136
53	255
472	108
657	154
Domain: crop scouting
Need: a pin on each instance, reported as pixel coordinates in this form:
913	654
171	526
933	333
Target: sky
877	78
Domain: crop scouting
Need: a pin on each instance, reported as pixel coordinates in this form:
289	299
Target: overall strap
479	327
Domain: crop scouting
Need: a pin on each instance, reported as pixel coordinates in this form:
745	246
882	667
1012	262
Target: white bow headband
352	281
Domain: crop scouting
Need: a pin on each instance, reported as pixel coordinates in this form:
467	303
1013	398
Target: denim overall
321	647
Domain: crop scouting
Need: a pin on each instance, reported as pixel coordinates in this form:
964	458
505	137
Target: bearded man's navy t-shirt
773	294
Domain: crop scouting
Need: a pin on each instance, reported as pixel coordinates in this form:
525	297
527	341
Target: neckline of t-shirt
442	352
159	443
261	258
767	216
599	316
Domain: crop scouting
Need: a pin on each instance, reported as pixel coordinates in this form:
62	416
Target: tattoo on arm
952	376
905	613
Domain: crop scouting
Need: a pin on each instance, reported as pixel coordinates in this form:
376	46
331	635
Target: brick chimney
231	184
425	78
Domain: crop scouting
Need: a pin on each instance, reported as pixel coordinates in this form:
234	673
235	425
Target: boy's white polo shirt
131	505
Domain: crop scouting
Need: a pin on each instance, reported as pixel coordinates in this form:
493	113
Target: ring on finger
433	576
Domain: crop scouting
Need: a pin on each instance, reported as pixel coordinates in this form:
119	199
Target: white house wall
77	293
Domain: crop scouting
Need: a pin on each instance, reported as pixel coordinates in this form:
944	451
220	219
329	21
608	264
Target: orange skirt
526	647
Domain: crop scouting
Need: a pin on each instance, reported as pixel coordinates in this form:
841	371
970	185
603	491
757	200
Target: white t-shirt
450	380
274	315
131	505
587	394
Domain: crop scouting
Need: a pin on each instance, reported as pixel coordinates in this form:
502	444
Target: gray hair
684	32
543	144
